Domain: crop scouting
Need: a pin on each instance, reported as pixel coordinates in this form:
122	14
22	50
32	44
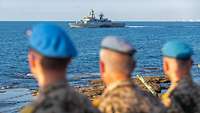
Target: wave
136	26
191	26
13	99
140	26
83	76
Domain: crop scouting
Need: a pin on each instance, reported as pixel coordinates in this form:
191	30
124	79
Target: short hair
50	63
54	63
183	63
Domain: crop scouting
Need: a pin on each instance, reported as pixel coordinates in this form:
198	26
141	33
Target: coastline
16	98
96	87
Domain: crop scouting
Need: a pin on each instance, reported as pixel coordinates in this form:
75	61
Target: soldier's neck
118	78
49	78
176	78
179	76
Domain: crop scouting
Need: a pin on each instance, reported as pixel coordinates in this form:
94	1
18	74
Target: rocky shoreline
96	87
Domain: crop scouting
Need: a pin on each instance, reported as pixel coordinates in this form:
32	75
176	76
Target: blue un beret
52	41
177	49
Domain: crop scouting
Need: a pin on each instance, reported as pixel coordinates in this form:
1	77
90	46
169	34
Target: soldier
51	51
183	96
121	95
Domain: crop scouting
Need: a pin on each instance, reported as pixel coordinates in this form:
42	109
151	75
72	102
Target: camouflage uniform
60	98
125	97
185	98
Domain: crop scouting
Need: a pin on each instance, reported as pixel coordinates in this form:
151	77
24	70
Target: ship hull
97	25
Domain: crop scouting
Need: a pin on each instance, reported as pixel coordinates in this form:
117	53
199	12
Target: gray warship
92	22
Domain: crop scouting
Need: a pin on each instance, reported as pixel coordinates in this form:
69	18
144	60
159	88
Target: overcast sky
114	9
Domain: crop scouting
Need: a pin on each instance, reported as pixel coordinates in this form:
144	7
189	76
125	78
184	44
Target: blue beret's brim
72	55
131	53
179	58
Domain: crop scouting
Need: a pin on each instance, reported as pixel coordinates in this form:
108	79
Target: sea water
148	38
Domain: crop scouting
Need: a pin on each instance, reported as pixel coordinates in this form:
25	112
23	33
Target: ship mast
92	13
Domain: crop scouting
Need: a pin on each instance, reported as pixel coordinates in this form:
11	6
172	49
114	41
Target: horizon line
189	20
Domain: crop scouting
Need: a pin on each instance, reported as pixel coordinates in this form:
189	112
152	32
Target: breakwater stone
96	87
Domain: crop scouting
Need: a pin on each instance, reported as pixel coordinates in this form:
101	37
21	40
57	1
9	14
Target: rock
96	87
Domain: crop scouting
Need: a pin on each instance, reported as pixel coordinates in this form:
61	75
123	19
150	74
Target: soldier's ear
102	67
165	65
31	59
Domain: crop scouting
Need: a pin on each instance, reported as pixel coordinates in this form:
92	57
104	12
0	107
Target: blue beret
116	44
52	41
177	49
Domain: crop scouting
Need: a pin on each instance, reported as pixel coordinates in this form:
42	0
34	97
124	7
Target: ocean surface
16	81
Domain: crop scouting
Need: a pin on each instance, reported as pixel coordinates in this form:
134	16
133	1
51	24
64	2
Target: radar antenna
101	16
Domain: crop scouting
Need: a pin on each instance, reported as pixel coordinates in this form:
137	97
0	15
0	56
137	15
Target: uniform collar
43	92
118	84
57	85
187	80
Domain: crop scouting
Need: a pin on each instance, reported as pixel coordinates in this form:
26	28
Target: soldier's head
177	61
50	51
116	60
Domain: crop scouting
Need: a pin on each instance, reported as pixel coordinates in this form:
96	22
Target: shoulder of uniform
165	96
167	99
197	86
96	102
78	97
28	109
